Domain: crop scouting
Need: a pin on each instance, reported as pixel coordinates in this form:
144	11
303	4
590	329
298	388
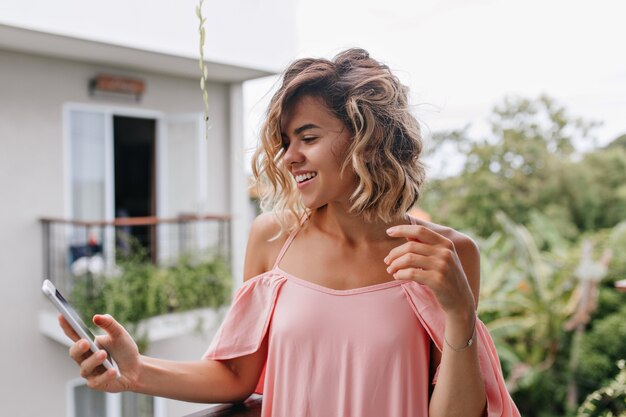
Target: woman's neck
350	228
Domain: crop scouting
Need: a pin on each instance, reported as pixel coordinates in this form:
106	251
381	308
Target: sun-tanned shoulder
262	249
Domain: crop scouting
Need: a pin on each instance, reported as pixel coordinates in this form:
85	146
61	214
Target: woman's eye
308	138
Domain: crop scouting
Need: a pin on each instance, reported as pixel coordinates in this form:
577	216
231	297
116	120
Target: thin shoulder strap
293	234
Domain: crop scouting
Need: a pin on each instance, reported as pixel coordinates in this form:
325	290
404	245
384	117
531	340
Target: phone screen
74	314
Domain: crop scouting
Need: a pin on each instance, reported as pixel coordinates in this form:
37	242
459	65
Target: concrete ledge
158	328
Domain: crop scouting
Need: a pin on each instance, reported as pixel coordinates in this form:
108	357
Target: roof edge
29	41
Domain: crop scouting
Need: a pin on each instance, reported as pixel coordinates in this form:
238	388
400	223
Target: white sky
460	57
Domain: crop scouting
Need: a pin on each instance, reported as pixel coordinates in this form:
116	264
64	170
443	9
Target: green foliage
530	200
526	298
543	394
619	142
528	293
608	401
601	347
199	284
616	240
609	302
141	290
529	163
594	189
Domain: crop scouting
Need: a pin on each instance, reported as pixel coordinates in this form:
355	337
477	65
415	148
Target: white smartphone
72	317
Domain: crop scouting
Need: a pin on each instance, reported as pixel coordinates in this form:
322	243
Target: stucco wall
33	91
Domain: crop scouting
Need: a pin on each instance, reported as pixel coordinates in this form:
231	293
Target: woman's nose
293	155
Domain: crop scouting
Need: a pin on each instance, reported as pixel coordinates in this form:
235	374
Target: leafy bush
141	290
608	401
601	347
553	199
609	301
544	394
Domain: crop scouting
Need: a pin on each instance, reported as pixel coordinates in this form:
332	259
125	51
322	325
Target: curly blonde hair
385	146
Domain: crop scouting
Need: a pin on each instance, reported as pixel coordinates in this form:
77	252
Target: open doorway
134	149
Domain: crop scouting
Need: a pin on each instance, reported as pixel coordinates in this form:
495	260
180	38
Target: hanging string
204	72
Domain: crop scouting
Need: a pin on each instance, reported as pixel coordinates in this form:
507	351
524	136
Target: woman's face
315	143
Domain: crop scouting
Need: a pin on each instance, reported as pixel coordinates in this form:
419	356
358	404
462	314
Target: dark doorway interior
135	174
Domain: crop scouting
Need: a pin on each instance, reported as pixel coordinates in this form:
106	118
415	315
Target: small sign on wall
116	86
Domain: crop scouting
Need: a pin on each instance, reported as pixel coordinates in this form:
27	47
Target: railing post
220	237
46	249
181	236
228	238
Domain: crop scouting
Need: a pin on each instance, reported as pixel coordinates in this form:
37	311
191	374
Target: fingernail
386	260
389	270
391	230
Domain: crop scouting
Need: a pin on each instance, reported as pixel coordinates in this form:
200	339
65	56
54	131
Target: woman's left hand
431	259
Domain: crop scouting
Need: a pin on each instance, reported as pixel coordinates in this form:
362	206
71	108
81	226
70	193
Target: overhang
59	46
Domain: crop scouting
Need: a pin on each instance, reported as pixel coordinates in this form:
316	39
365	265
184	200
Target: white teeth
303	177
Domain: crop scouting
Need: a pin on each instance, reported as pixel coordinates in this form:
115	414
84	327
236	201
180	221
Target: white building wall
253	33
239	185
33	91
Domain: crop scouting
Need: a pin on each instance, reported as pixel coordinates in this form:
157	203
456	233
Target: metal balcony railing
74	247
249	408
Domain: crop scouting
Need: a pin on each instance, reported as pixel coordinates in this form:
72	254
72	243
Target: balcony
84	258
161	277
74	248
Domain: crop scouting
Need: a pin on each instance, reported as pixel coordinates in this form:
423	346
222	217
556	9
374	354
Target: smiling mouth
300	179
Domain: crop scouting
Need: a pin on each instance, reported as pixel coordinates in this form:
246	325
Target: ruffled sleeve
432	317
247	321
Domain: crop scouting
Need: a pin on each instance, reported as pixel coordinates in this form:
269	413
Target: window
134	163
137	405
88	402
85	402
87	156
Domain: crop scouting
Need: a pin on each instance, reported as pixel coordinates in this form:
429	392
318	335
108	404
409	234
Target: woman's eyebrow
305	127
301	129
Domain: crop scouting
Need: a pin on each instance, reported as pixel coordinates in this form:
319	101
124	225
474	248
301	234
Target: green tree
529	162
601	347
526	298
594	188
530	200
608	401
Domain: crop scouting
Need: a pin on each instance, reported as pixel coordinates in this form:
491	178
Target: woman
350	307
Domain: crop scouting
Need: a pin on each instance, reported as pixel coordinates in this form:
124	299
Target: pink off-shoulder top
361	352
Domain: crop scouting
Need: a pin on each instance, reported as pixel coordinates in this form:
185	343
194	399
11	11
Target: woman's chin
313	205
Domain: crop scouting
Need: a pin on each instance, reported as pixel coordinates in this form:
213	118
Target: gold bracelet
469	343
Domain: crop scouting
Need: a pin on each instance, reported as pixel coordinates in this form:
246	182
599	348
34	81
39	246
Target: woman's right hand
120	346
